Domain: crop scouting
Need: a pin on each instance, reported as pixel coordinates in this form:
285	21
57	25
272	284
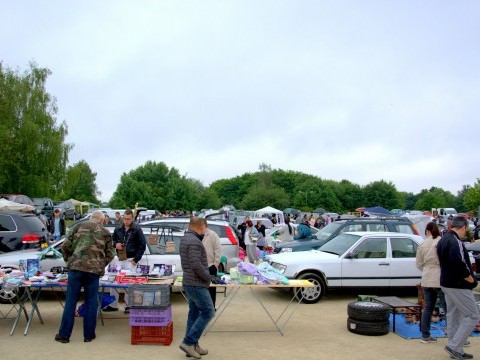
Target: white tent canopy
7	205
269	211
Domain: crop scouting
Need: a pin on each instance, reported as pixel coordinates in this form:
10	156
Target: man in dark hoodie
457	280
196	282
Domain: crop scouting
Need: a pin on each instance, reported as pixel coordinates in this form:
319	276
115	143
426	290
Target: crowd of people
447	275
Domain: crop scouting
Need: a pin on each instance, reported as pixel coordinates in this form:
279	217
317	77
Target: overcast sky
357	90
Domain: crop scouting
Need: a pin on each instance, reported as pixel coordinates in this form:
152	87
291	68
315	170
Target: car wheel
9	295
311	295
367	327
368	311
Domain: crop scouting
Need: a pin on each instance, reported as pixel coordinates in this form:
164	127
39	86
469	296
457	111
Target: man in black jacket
457	280
196	282
129	236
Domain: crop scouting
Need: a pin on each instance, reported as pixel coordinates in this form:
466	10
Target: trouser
252	253
430	295
213	290
462	316
200	312
89	282
125	265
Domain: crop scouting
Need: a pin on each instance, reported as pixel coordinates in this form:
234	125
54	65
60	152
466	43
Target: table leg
222	307
274	321
21	301
34	300
394	316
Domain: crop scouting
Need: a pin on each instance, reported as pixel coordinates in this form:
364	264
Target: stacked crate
150	314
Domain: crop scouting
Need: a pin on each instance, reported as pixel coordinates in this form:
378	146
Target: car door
367	263
403	269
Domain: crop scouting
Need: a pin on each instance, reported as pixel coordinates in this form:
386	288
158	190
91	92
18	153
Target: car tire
367	327
9	295
368	311
314	294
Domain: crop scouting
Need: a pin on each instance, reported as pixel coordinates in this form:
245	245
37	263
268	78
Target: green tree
383	194
32	142
261	195
460	199
155	186
80	183
409	199
434	198
472	197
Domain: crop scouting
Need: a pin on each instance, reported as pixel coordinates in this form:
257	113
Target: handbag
122	254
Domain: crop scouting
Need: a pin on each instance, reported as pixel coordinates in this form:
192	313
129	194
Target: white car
353	259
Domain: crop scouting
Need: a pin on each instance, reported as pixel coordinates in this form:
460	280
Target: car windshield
325	232
339	244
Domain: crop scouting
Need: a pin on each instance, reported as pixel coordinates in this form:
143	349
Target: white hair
98	216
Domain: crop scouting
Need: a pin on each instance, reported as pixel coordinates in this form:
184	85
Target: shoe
199	350
127	310
61	339
109	308
455	354
190	351
467	343
467	356
89	339
428	340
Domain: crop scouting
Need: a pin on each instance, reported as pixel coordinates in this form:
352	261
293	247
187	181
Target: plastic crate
151	317
162	335
149	296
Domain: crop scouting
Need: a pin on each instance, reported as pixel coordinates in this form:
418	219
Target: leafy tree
32	142
349	195
434	198
460	199
383	194
472	197
80	183
261	195
155	186
409	199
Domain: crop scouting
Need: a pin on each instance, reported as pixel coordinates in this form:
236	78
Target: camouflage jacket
88	248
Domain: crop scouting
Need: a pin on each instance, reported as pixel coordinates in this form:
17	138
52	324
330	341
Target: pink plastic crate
151	317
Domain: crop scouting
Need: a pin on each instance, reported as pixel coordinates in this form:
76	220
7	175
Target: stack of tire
368	318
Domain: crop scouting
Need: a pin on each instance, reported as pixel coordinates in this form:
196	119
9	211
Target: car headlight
280	267
286	250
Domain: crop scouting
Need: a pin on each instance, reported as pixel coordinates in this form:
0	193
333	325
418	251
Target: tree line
35	157
34	151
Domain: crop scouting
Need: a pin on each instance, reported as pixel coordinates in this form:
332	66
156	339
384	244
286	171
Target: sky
358	90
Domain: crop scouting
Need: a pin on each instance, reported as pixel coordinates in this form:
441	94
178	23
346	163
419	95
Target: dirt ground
315	331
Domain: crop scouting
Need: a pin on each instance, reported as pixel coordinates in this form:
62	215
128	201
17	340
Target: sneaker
189	350
61	339
109	308
455	354
199	350
428	340
127	310
467	356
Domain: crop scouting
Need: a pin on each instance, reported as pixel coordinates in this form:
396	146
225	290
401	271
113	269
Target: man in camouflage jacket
87	250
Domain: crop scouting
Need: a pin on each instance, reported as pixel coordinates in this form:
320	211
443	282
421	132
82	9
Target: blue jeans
430	295
200	312
89	282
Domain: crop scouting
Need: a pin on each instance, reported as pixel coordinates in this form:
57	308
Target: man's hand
133	262
118	246
469	279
